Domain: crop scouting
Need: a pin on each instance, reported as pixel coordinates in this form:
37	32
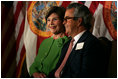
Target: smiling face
55	24
70	24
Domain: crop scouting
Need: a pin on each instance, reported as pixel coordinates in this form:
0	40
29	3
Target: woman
50	49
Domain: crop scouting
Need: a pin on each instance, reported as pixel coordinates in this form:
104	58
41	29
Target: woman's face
54	23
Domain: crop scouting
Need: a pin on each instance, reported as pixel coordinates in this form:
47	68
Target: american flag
19	43
13	50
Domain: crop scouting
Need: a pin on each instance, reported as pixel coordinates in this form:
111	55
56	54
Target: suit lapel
82	39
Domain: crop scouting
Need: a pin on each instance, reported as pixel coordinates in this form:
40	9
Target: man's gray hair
83	12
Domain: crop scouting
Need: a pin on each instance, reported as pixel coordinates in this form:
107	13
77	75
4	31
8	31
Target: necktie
57	73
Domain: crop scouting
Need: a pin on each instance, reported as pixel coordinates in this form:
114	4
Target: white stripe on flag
60	3
17	29
74	1
15	4
19	49
88	3
98	10
100	29
30	41
20	19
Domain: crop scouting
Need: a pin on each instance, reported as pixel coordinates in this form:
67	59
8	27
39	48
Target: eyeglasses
74	18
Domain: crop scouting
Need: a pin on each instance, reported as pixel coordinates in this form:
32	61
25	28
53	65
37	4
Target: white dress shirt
77	37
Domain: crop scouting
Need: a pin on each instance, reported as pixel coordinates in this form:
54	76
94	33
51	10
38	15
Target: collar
77	37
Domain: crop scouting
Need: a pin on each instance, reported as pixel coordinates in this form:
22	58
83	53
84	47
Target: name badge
79	46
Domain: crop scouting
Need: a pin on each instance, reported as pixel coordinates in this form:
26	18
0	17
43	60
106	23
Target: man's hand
39	75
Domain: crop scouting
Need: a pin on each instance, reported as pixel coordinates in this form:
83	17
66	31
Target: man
86	58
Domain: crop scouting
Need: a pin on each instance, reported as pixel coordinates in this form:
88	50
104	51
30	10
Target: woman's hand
39	75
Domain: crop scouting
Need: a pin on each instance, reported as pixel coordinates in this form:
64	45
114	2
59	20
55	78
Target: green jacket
48	55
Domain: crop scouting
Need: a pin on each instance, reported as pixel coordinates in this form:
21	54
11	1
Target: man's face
69	23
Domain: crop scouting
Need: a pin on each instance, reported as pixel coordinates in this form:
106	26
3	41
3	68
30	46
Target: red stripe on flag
20	34
102	2
11	28
65	3
80	2
93	6
22	53
17	12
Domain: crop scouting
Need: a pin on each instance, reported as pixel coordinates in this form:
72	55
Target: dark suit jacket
88	62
